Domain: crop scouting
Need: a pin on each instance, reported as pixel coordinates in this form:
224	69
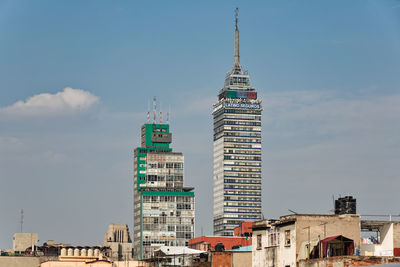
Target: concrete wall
346	261
22	241
265	256
386	240
396	239
241	259
386	247
9	261
74	264
287	255
221	259
131	263
261	256
347	225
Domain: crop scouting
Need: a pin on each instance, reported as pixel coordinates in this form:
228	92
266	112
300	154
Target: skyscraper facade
163	207
237	150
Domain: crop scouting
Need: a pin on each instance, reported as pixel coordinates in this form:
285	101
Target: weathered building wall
131	263
229	242
263	255
76	264
287	252
323	226
8	261
241	259
346	261
221	259
387	240
396	239
22	241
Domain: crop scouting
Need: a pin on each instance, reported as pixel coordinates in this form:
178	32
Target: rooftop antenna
237	57
169	108
148	112
292	211
160	115
22	219
154	109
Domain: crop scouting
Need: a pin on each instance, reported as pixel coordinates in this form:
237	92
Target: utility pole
22	219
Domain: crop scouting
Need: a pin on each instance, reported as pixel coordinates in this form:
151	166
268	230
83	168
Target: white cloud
66	102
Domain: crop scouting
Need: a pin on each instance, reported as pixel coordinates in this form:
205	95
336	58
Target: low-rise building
285	241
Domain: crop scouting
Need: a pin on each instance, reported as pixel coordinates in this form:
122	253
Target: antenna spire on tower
236	19
148	112
237	66
160	115
154	109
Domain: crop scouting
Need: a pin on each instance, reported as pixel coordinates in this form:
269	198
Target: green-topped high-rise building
163	208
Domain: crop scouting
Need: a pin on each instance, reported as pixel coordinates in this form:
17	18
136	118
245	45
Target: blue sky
327	71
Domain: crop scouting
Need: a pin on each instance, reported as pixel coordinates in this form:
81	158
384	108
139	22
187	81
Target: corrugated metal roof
169	250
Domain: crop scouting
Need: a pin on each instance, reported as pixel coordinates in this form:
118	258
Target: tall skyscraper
163	207
237	150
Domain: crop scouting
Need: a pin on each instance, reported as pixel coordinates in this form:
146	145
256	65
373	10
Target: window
273	237
287	238
259	242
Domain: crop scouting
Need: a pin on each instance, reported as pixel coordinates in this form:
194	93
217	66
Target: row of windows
242	146
233	122
241	169
242	204
181	206
243	175
241	181
160	178
242	134
241	192
168	165
238	111
241	210
238	129
169	220
171	199
242	187
252	158
245	163
236	117
235	198
257	151
243	140
148	243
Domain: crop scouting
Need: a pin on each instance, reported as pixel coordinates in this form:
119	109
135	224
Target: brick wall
221	259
